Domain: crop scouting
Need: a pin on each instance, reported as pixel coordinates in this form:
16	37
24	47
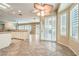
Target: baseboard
69	48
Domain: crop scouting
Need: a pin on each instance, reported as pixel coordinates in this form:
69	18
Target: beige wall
66	40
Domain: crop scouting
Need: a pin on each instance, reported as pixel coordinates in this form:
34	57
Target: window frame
61	14
73	6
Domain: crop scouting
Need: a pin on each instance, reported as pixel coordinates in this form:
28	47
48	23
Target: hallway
43	48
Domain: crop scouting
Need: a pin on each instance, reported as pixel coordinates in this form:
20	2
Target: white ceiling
26	8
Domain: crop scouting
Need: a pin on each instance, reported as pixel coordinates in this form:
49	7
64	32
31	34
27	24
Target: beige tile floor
35	48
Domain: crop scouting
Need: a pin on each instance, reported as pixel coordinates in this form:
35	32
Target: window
21	27
63	24
25	27
74	22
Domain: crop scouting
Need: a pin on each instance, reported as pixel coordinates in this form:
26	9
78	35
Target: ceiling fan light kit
43	9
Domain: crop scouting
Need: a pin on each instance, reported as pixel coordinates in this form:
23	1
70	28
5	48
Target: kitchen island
5	39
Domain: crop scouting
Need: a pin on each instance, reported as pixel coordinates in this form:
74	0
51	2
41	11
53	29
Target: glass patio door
53	28
50	28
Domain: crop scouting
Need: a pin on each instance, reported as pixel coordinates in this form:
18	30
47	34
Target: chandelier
43	9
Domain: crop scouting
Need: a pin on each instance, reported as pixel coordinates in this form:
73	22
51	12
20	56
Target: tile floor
41	48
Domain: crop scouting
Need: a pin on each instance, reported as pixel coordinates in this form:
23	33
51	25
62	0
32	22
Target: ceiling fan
42	9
